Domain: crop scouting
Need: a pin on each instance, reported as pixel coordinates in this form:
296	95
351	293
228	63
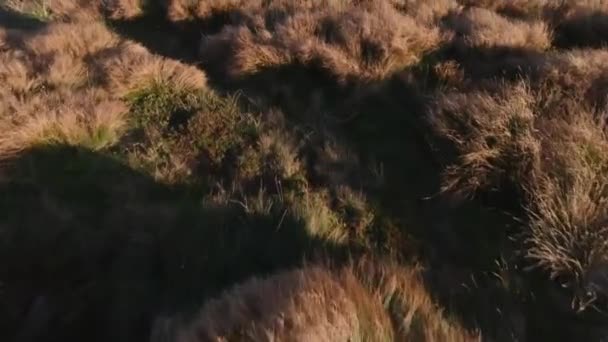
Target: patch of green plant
177	134
155	104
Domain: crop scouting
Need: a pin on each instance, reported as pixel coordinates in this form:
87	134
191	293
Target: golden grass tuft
547	144
301	305
493	135
427	12
16	72
132	67
569	208
185	10
79	39
482	28
366	40
66	83
123	9
85	118
580	71
364	302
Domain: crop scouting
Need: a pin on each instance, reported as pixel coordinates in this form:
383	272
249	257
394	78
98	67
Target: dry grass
80	39
303	305
579	72
427	11
67	82
367	41
123	9
483	28
131	67
84	118
185	10
547	145
364	302
569	213
493	135
68	10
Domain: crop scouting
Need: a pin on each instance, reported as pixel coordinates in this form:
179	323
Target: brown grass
66	83
493	135
546	144
482	28
185	10
68	10
131	66
84	118
364	302
364	40
569	213
580	72
123	9
80	39
427	12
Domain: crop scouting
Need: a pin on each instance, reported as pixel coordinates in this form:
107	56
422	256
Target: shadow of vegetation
492	63
93	250
173	39
14	20
588	30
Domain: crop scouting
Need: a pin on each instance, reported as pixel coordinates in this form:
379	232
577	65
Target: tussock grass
483	28
427	11
568	227
63	84
366	40
493	135
545	144
364	302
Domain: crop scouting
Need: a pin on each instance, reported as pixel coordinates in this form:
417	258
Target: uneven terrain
282	170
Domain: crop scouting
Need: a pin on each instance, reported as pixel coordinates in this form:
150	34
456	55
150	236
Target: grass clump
37	9
544	146
62	84
325	37
483	28
363	302
568	232
493	135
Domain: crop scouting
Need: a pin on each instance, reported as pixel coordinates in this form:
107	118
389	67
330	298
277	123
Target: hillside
314	170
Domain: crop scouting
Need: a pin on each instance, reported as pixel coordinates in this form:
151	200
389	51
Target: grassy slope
137	187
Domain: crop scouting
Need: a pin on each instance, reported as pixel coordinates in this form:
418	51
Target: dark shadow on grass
494	63
582	31
93	250
14	20
161	36
178	39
